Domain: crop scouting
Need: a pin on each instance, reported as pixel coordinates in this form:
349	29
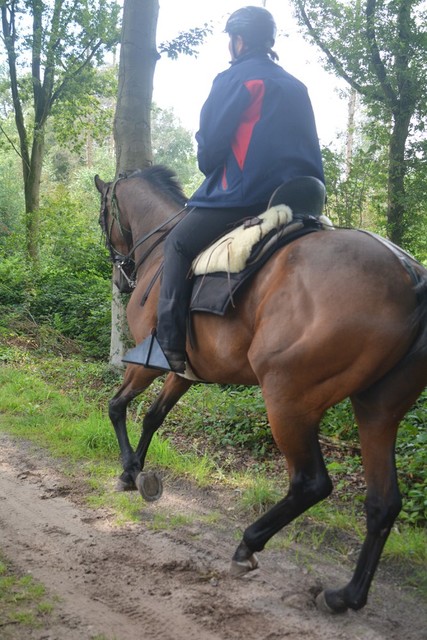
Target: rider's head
251	29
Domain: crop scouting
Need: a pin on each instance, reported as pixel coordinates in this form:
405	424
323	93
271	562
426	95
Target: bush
411	456
13	280
232	416
79	307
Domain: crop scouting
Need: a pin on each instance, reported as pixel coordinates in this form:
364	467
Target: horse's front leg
136	380
150	485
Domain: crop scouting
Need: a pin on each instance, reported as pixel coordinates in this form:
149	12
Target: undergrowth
234	419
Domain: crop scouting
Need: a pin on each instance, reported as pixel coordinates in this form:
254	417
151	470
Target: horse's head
137	212
118	237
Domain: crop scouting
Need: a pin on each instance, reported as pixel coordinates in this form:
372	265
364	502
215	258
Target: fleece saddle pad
217	283
231	251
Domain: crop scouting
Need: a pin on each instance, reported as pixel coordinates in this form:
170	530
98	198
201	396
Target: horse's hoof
121	485
241	567
149	485
327	607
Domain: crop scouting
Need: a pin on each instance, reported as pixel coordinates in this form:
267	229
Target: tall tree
379	48
132	123
63	40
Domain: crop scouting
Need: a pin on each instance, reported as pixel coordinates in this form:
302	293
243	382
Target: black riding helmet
255	25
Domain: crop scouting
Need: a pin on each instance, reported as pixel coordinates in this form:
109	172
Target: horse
335	314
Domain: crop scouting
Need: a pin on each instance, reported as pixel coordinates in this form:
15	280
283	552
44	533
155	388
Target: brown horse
335	314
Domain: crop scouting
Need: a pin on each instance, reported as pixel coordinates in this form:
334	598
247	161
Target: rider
257	131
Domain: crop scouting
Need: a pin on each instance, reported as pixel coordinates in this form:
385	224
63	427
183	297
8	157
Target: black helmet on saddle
255	25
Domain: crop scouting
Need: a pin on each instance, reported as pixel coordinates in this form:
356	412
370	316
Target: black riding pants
191	235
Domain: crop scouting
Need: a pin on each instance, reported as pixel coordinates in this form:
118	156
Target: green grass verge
78	428
23	603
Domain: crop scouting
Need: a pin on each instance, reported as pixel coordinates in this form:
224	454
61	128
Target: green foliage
70	231
235	417
70	293
411	455
173	146
77	306
341	28
51	57
54	308
357	196
83	116
416	199
186	42
231	417
339	422
357	193
13	280
11	200
260	496
379	49
69	296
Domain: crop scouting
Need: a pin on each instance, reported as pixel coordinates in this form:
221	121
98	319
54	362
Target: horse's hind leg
137	379
378	412
296	437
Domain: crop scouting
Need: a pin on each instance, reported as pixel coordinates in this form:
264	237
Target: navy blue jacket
257	130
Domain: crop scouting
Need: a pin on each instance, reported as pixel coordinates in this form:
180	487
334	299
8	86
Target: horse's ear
99	184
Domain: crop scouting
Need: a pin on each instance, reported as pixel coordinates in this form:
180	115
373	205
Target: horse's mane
163	180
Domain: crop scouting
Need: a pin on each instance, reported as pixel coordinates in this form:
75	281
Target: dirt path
134	583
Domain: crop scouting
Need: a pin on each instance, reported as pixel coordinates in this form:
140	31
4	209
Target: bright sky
184	84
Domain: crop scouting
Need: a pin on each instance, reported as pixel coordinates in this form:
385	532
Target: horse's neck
150	229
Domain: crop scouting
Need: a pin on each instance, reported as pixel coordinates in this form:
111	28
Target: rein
123	261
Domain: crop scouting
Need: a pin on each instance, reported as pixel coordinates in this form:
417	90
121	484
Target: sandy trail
136	583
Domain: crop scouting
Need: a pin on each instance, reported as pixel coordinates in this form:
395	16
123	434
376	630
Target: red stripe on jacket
250	117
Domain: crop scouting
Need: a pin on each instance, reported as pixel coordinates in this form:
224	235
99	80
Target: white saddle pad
230	252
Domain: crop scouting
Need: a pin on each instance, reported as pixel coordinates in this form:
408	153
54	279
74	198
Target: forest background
58	93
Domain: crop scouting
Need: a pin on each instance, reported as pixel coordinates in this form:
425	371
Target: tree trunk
32	195
396	177
132	121
350	131
138	57
118	328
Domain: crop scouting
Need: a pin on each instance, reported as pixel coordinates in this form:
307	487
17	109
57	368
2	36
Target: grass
33	408
61	405
23	603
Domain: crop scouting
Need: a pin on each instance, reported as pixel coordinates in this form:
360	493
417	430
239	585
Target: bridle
125	263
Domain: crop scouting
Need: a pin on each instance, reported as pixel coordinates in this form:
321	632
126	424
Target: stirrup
149	354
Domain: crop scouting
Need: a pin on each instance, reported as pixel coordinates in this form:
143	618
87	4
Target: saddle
214	292
294	210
